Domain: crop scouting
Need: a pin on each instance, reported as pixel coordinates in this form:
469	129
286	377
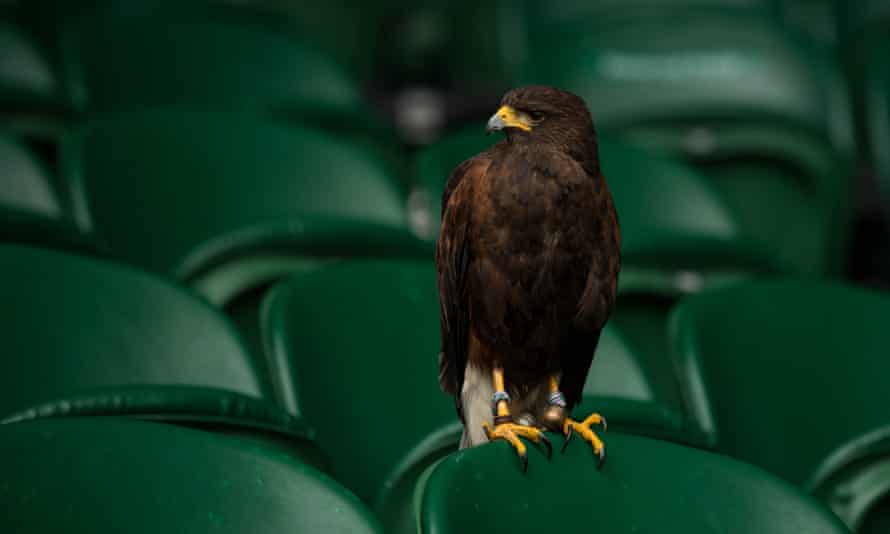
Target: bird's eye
536	115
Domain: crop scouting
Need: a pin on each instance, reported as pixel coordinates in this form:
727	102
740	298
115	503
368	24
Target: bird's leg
570	427
504	427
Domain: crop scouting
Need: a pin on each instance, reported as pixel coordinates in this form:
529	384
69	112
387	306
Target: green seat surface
353	348
789	376
27	77
182	193
110	475
644	486
79	324
26	184
124	59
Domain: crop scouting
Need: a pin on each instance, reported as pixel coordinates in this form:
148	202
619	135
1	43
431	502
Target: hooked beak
507	117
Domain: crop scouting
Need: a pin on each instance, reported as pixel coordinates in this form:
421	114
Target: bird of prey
527	259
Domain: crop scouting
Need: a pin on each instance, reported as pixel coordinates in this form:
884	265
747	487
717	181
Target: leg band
556	398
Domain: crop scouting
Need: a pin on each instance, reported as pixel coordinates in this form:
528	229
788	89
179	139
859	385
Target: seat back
353	349
111	475
799	361
25	182
645	486
135	57
76	325
167	189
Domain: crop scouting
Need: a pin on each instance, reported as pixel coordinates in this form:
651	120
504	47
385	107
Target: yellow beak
507	117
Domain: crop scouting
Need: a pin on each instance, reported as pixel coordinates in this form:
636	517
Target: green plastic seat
110	475
131	58
320	24
645	486
788	375
87	337
28	79
699	89
870	77
358	342
354	347
25	182
32	208
491	40
221	200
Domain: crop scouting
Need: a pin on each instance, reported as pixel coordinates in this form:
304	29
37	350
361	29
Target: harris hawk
527	262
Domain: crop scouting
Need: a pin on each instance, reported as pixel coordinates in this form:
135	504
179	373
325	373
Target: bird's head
542	114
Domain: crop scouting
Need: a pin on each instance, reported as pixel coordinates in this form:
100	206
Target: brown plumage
528	254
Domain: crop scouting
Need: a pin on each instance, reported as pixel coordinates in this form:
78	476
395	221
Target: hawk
527	271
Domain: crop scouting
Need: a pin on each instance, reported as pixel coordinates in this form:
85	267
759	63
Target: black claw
569	435
549	446
523	459
602	458
605	425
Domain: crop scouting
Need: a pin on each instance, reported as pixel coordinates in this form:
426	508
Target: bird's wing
452	261
595	304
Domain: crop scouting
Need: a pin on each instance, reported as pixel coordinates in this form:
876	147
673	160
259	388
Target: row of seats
710	60
725	89
346	383
229	203
227	152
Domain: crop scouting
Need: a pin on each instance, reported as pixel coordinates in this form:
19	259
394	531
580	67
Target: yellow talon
511	433
570	427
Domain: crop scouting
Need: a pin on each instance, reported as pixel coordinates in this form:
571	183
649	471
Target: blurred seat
28	79
87	337
33	101
358	342
491	40
110	475
127	57
25	182
645	486
224	201
865	28
789	375
353	347
816	19
764	113
32	208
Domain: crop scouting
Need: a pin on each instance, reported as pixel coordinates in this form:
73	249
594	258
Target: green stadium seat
318	23
789	375
866	45
87	337
723	91
491	40
357	341
28	79
131	58
221	200
111	475
816	19
32	208
353	347
26	184
645	486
